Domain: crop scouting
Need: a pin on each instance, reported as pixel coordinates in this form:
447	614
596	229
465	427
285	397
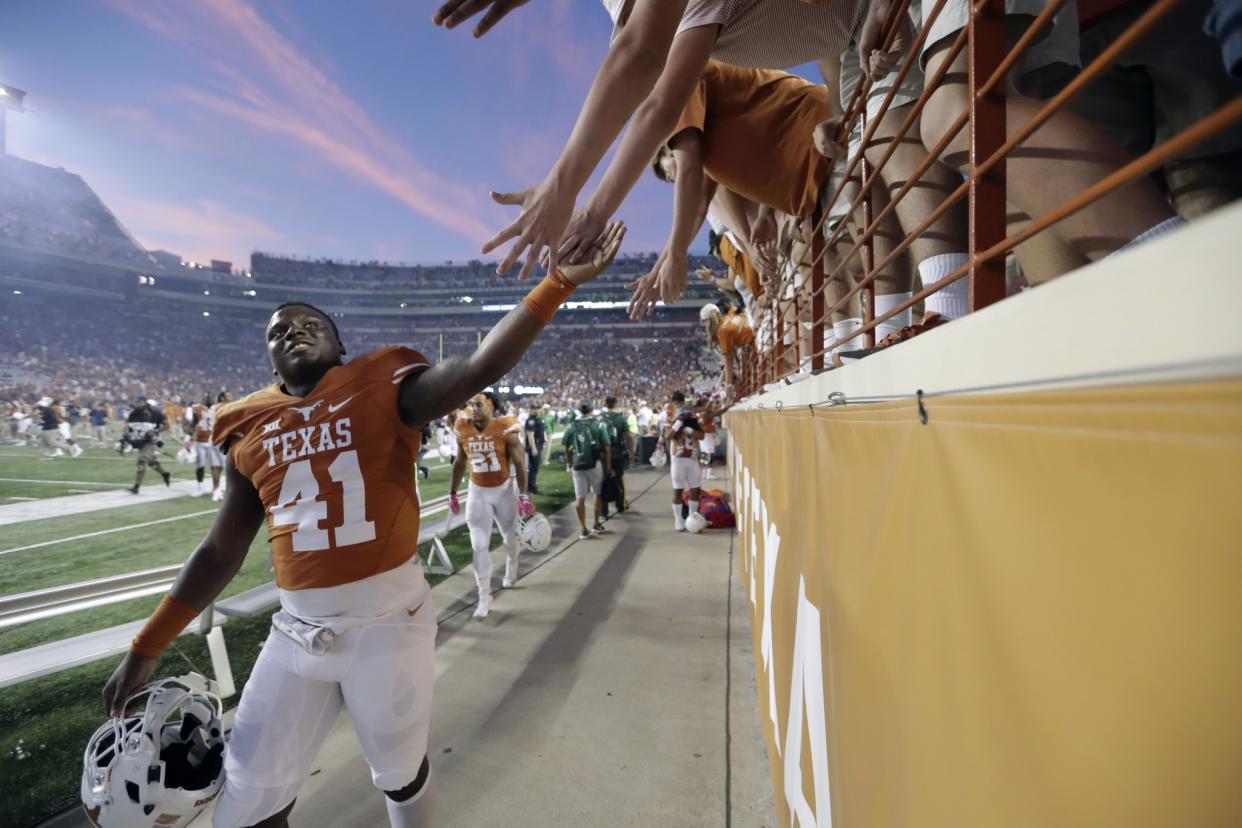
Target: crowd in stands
770	158
270	269
52	208
113	353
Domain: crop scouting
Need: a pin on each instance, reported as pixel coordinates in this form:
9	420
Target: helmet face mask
159	767
534	532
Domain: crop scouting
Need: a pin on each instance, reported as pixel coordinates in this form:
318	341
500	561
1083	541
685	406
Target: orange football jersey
489	461
202	423
334	469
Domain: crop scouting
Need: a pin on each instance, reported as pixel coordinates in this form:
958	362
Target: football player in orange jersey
202	417
490	442
326	454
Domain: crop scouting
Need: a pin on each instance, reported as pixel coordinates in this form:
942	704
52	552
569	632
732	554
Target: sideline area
613	685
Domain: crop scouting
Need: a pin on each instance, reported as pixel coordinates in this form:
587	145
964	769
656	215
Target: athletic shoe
58	453
167	478
75	450
218	495
483	607
425	471
679	526
133	489
585	534
510	575
599	529
931	320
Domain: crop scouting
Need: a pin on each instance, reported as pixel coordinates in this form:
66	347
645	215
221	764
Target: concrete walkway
613	686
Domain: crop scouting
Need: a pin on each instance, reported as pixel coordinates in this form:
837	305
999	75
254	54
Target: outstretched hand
454	12
583	228
545	212
665	282
601	254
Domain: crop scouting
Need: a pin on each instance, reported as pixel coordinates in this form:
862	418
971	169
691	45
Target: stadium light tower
10	98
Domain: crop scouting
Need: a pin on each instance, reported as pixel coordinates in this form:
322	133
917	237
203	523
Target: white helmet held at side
695	523
659	458
534	532
159	767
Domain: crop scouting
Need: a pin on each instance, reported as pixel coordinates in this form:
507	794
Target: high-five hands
453	12
540	227
599	256
665	282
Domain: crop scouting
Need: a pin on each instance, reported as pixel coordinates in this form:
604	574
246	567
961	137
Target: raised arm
446	386
651	126
692	196
630	69
205	575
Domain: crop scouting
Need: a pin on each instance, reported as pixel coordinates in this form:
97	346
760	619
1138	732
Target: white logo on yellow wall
806	675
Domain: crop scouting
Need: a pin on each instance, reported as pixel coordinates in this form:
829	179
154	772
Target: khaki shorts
148	454
851	75
1059	43
1158	87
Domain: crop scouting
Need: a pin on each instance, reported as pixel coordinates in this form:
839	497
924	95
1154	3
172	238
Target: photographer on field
143	428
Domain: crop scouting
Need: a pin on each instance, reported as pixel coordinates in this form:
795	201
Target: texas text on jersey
489	459
326	464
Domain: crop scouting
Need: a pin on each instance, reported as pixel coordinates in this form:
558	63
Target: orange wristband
163	627
548	295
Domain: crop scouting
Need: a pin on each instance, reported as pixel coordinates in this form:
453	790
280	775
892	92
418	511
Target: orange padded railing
782	346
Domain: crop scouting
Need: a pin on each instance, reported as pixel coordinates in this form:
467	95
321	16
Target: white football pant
381	672
485	505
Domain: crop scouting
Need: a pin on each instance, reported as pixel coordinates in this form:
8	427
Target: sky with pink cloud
352	130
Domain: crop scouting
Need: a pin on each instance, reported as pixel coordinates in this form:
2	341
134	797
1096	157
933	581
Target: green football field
44	723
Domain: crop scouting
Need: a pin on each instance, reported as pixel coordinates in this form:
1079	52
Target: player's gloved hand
526	507
454	503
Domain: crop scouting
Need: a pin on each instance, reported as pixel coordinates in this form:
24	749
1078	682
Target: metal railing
782	346
46	659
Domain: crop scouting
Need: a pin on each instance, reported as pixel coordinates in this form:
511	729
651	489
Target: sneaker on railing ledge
931	319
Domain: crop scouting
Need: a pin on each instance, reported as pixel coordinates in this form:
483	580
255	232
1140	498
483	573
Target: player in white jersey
682	437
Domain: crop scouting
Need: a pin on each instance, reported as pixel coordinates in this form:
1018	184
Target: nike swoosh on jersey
414	611
332	409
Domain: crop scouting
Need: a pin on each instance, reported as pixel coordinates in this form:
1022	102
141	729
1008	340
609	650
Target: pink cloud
265	82
201	230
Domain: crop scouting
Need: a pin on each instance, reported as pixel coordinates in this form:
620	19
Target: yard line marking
15	497
64	482
108	531
67	505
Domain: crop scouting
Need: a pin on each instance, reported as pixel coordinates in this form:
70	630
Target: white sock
417	811
677	514
844	328
884	304
694	507
951	301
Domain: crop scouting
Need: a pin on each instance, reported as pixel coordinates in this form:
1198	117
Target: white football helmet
158	768
659	458
534	532
695	523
